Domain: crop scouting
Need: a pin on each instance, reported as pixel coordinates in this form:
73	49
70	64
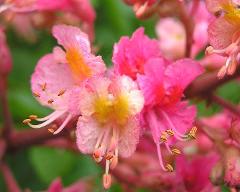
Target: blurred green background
36	167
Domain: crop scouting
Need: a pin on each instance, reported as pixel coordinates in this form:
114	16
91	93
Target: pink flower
172	37
130	55
202	18
5	56
194	173
224	34
165	114
58	73
232	167
109	125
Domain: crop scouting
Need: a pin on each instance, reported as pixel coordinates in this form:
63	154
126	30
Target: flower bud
232	167
217	173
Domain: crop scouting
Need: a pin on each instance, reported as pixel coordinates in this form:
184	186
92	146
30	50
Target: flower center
112	110
77	64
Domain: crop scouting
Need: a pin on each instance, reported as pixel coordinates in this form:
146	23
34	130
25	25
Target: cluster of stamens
231	52
106	148
53	116
172	150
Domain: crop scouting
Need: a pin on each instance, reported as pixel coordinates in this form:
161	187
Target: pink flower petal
71	37
130	55
49	79
220	33
129	137
182	73
87	133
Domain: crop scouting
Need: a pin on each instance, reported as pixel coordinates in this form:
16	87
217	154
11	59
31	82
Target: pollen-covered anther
35	94
170	132
107	181
60	93
26	121
50	101
192	133
176	151
109	156
51	130
209	50
169	168
163	137
44	86
97	155
33	117
114	162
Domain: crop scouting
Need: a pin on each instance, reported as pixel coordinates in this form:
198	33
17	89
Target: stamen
61	92
35	94
160	157
176	151
163	137
63	124
51	130
109	156
192	133
50	101
44	86
222	72
26	121
114	161
168	148
47	117
169	168
33	117
107	181
53	118
170	132
177	134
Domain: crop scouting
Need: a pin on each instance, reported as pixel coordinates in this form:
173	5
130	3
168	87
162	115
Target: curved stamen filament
63	124
177	134
50	120
160	157
47	117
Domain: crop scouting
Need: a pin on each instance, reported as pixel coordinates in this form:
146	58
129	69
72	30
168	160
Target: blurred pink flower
130	55
165	114
224	34
193	174
109	124
5	56
172	37
58	73
232	167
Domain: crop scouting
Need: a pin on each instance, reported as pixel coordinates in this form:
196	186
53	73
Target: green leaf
51	163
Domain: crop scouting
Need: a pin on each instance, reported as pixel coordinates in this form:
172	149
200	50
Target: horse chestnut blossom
110	124
162	84
58	73
224	34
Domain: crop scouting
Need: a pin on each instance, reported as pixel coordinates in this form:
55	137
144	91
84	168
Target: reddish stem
7	118
227	105
9	179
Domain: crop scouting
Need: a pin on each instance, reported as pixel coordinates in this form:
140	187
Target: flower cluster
142	92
